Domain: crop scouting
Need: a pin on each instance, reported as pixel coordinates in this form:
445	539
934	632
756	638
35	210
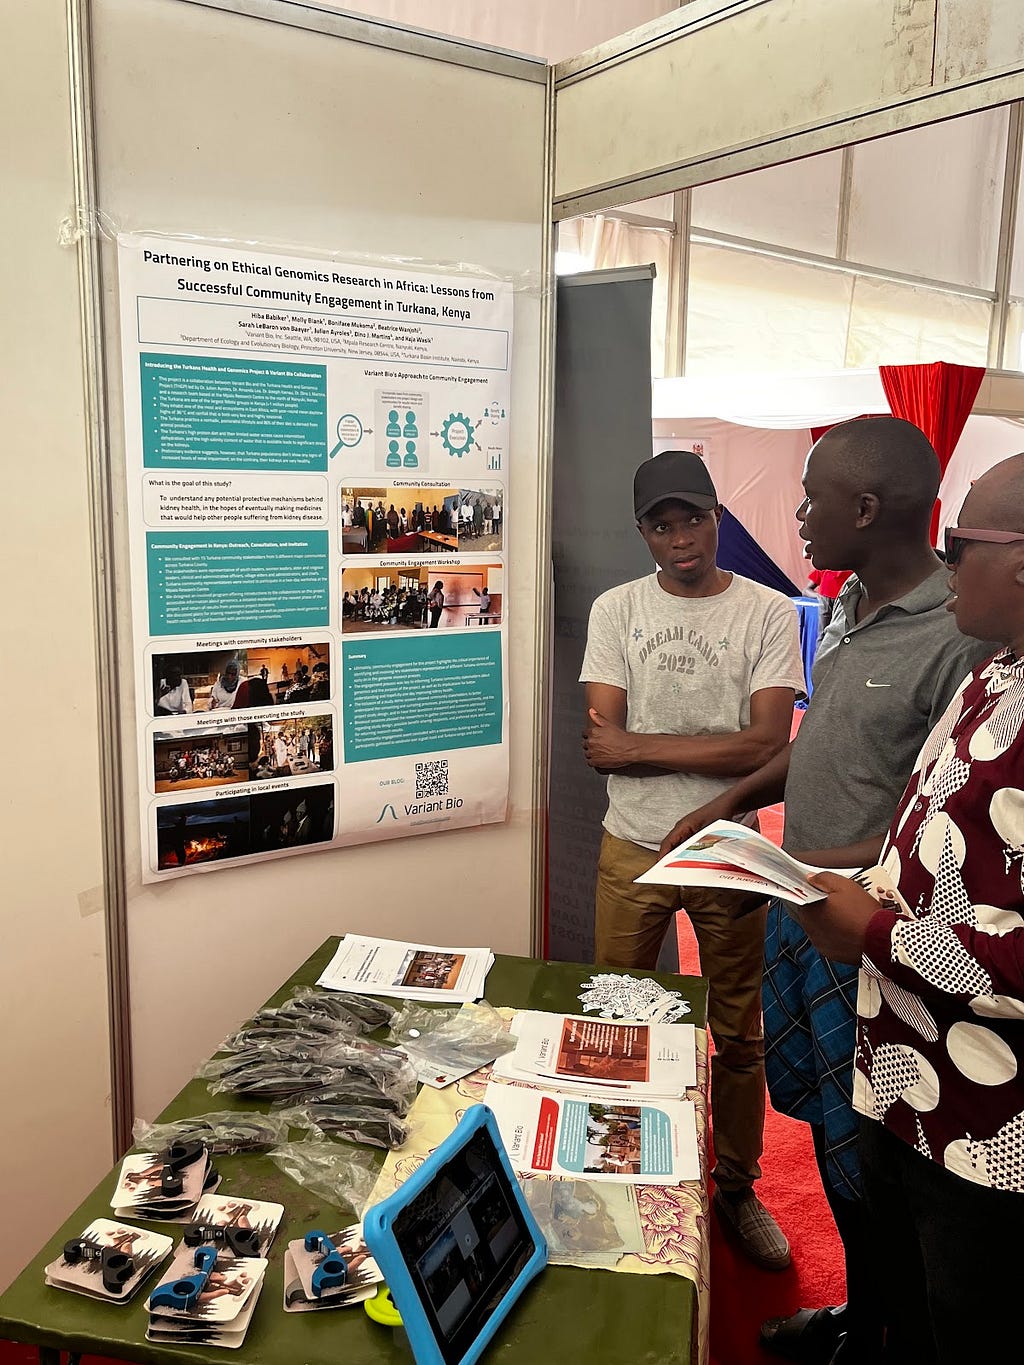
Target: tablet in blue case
457	1244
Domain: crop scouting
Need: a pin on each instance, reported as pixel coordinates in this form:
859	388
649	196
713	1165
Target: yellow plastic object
381	1309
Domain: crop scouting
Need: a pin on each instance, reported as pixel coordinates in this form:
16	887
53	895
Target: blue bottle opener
183	1294
332	1272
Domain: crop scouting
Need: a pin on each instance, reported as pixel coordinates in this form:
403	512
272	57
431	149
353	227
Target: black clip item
177	1158
239	1241
116	1267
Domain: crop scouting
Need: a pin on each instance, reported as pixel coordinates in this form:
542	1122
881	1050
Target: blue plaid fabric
810	1026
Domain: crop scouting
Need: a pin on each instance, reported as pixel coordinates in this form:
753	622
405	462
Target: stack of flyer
408	971
612	1106
563	1052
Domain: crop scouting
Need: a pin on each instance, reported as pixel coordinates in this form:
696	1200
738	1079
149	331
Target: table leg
48	1355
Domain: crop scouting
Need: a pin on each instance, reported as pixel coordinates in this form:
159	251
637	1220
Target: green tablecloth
567	1315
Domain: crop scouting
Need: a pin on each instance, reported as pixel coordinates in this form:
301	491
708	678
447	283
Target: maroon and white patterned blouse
940	1033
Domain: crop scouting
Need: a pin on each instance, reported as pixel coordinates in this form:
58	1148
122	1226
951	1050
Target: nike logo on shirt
869	683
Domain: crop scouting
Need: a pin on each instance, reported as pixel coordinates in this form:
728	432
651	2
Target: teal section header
205	412
236	580
572	1135
655	1142
422	692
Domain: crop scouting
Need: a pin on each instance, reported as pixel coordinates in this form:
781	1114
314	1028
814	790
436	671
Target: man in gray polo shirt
887	665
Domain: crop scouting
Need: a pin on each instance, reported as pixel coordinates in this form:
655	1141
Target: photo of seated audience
291	748
383	599
187	759
292	817
240	679
202	832
399	520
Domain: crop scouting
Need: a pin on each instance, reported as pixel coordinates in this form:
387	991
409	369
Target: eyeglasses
957	535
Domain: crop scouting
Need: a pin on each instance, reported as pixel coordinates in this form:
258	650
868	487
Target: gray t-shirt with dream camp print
688	666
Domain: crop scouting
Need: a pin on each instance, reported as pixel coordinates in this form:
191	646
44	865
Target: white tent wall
757	476
757	472
884	253
986	441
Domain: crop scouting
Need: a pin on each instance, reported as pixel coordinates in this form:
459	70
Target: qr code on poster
432	779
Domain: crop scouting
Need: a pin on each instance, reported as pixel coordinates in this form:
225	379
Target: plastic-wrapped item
358	1074
360	1091
311	1017
342	1176
283	1035
309	1003
224	1133
452	1041
354	1123
261	1054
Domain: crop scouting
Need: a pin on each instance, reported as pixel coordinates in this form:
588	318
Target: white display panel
249	136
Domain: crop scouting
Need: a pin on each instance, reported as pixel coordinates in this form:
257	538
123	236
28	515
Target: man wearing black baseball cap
691	674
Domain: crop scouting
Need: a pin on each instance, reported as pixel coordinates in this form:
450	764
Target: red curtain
937	398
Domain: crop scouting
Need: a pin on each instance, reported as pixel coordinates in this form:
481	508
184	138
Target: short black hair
889	457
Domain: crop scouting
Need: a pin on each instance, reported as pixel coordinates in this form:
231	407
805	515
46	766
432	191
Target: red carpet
741	1295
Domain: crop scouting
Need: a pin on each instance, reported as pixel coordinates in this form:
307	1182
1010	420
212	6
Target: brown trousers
630	927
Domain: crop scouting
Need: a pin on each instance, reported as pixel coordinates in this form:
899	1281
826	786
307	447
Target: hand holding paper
837	925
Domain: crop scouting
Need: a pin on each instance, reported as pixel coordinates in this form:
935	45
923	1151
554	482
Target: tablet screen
464	1241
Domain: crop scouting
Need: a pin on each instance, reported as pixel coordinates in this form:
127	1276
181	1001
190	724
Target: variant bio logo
433	793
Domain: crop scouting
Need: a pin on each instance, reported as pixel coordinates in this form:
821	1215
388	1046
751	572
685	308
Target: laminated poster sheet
317	474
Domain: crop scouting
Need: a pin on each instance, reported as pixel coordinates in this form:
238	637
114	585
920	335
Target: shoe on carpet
810	1336
749	1225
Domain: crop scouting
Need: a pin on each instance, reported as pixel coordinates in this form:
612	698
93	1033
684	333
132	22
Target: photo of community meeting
240	679
400	520
291	748
187	759
421	598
